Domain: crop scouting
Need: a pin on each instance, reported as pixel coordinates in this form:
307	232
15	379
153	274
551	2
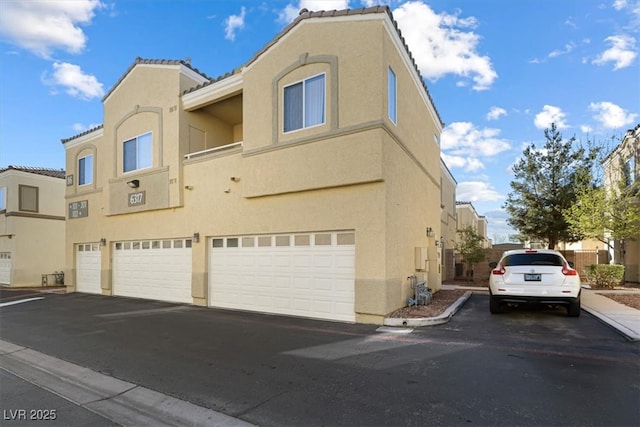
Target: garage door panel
148	271
306	280
88	268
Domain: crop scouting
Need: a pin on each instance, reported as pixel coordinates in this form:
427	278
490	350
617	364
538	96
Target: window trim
138	167
303	82
20	205
88	179
3	198
392	95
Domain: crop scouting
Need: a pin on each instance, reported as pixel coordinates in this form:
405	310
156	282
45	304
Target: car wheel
495	307
573	310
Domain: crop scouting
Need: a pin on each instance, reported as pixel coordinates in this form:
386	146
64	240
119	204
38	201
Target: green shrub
605	276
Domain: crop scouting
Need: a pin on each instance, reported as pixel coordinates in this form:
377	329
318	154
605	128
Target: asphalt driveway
527	367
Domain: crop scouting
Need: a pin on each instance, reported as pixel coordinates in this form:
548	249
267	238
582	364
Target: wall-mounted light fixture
196	237
430	232
188	187
227	190
103	242
134	183
235	178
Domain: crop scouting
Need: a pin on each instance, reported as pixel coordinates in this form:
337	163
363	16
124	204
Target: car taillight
498	271
568	271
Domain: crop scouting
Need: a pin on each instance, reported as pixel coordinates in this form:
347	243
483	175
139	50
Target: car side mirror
493	264
571	264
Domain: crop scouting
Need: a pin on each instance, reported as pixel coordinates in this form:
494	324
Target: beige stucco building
448	221
625	156
32	224
307	182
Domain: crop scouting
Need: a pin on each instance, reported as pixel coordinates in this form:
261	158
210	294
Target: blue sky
499	71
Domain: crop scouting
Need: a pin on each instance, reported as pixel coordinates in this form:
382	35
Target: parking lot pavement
25	404
279	371
90	398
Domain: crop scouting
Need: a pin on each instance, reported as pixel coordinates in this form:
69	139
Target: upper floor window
630	171
27	198
304	103
392	96
436	139
137	153
3	198
85	170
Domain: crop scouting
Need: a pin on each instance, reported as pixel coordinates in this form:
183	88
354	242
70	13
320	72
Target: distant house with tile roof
32	225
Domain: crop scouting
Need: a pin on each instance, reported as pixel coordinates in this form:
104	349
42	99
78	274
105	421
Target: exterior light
134	183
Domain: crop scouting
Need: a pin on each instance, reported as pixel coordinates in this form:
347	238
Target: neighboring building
622	165
448	221
467	216
289	186
32	214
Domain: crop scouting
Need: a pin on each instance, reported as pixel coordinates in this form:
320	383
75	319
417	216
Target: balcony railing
214	150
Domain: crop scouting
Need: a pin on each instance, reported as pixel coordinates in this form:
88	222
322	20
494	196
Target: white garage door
5	268
153	269
88	266
310	275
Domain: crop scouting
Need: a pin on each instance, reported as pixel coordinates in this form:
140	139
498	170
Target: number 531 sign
136	199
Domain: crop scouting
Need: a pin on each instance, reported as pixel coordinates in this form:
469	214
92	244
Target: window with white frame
392	96
304	103
85	170
137	153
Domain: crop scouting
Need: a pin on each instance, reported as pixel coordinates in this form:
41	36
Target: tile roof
65	140
138	60
306	14
55	173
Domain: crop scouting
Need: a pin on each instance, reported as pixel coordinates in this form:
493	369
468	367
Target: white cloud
586	129
477	191
622	52
495	113
469	164
550	114
610	115
41	26
76	83
290	12
444	44
233	23
463	138
567	49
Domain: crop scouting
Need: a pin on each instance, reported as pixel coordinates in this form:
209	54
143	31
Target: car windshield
532	259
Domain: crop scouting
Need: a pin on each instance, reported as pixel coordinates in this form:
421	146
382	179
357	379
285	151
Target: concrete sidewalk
122	402
624	319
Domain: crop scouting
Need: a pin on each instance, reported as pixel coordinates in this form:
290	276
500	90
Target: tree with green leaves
607	215
470	247
546	182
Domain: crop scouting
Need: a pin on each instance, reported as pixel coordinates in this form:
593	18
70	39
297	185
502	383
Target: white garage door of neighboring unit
310	275
88	267
5	268
153	269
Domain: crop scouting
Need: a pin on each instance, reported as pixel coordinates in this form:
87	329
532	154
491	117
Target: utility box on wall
422	259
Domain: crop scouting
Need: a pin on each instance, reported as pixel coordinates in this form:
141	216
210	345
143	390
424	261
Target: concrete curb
119	401
629	334
429	321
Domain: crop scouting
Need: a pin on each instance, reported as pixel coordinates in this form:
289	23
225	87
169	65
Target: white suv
540	276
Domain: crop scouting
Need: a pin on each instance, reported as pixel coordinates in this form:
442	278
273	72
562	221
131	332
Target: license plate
532	278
